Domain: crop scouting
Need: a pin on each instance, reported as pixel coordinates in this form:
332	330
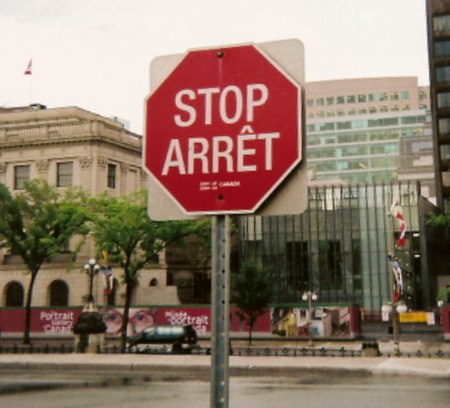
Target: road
314	390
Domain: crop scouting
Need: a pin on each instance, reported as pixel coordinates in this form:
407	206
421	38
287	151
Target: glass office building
354	127
339	246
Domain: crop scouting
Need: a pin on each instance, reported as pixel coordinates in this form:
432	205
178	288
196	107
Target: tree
122	228
252	292
36	225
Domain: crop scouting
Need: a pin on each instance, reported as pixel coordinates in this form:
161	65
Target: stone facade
71	146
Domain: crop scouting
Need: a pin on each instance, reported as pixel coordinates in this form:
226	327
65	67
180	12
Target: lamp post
91	268
310	297
393	309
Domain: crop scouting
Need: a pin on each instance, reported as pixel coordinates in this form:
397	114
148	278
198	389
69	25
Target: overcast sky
95	54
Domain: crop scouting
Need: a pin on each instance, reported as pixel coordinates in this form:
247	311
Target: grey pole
220	305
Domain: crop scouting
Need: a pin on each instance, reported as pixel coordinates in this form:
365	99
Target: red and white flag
396	211
28	70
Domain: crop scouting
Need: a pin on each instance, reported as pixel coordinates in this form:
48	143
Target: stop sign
223	130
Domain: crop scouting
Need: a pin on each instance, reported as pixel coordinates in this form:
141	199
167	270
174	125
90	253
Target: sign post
220	304
224	135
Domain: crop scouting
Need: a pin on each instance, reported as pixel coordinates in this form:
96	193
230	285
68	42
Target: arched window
14	294
154	282
58	293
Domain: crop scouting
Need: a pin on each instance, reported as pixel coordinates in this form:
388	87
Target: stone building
72	147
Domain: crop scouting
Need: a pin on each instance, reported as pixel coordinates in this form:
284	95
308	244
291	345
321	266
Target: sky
96	54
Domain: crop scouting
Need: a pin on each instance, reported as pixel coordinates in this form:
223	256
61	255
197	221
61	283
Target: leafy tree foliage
251	292
122	228
36	225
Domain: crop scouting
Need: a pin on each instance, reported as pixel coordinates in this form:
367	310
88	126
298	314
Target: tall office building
370	130
438	19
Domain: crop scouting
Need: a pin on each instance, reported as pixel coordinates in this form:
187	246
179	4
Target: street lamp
310	297
91	268
393	309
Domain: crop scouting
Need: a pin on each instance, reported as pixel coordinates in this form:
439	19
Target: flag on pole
396	211
398	279
28	70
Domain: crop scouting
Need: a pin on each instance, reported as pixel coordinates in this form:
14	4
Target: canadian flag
396	211
28	70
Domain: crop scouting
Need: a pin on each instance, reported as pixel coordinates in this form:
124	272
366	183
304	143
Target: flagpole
28	72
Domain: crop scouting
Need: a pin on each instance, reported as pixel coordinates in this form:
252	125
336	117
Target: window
443	99
361	98
326	126
64	174
442	48
310	102
21	176
444	126
111	182
404	95
297	264
351	99
441	23
330	100
58	293
394	96
340	100
445	152
14	295
319	102
344	125
330	264
442	74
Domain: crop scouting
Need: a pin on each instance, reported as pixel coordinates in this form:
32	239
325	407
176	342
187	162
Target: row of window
362	98
362	164
64	175
361	137
362	111
348	151
58	294
364	123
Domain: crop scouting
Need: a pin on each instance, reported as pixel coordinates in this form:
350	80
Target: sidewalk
185	367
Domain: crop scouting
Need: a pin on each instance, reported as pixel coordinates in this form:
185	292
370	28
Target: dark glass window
442	48
112	175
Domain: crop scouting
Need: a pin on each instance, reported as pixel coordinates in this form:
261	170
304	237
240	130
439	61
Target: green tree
36	225
122	228
251	293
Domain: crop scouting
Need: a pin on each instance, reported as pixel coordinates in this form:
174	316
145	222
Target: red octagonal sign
223	130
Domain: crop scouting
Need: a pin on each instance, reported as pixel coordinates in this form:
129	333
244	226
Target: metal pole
91	283
395	329
310	312
220	304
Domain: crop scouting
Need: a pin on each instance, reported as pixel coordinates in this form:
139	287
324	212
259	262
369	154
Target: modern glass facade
360	150
338	247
